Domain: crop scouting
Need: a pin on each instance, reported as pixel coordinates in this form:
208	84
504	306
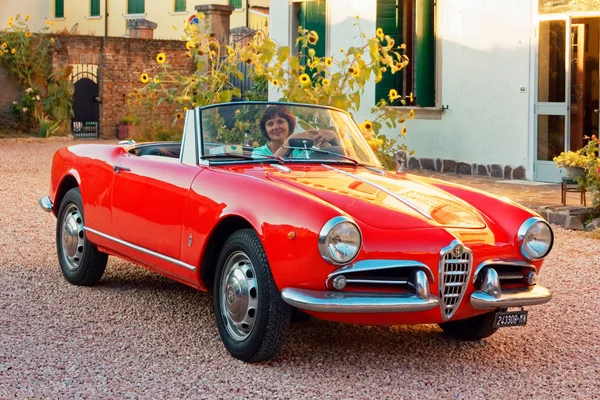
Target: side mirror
400	159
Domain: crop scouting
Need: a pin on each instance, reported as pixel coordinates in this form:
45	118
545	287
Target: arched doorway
86	108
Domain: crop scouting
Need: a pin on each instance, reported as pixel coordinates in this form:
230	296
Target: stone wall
120	62
10	91
457	167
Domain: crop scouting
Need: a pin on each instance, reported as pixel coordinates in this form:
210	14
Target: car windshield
248	132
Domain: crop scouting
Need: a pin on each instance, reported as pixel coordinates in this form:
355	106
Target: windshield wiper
317	150
228	155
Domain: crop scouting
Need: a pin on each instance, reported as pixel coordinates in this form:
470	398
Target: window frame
92	3
130	7
179	3
59	5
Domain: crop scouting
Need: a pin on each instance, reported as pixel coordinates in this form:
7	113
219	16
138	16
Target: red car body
173	217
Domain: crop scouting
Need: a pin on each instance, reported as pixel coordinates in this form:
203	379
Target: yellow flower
52	40
51	23
10	23
189	45
27	17
313	37
260	34
410	97
47	22
4	45
314	64
403	131
275	82
368	125
358	56
230	51
179	116
325	82
379	33
304	79
27	34
156	80
185	108
328	61
188	54
354	70
342	50
411	114
393	95
358	16
161	58
144	78
13	51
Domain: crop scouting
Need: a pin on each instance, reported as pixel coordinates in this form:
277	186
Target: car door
149	195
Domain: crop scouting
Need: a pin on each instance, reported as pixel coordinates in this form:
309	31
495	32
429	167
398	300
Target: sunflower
27	34
410	97
403	131
355	71
179	116
13	51
185	108
47	22
27	17
144	78
161	58
342	50
411	114
314	64
275	82
248	61
4	45
313	38
368	125
328	61
325	82
379	33
393	95
10	23
304	79
188	54
52	40
189	45
156	80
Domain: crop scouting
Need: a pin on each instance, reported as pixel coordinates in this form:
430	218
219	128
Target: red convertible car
276	207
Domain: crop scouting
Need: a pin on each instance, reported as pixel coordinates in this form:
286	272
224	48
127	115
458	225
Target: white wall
38	9
485	60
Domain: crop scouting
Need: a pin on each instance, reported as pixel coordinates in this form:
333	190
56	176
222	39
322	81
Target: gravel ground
139	335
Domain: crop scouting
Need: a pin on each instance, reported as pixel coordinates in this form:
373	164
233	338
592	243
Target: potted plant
126	127
576	163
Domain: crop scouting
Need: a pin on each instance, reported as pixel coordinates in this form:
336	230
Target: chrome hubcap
239	296
72	237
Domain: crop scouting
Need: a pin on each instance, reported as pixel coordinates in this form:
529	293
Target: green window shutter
312	16
95	8
59	9
135	7
389	17
237	4
425	59
180	6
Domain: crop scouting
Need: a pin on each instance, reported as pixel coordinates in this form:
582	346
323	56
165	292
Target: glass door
552	104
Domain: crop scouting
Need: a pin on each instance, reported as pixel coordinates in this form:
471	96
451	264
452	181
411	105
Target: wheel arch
68	182
214	244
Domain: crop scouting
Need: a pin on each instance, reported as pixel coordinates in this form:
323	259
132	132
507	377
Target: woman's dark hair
277	111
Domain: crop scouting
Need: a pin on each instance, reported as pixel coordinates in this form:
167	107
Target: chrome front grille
455	268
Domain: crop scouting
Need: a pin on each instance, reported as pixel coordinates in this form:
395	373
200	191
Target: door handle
596	110
118	169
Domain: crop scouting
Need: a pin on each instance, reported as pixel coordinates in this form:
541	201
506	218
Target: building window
237	4
411	22
95	8
59	9
135	7
180	6
311	15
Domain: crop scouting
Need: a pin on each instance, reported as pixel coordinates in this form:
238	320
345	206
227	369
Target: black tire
251	316
80	261
471	329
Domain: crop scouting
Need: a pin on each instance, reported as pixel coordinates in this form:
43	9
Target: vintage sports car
315	224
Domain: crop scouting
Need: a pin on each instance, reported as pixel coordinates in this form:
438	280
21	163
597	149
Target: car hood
382	201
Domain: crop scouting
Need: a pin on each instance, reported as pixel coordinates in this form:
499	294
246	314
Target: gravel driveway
139	335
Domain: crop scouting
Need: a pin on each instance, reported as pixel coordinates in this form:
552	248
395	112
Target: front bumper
46	203
519	297
356	302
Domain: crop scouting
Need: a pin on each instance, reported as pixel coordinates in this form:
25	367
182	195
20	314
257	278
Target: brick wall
120	62
10	91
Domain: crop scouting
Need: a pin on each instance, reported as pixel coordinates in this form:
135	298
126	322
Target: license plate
503	319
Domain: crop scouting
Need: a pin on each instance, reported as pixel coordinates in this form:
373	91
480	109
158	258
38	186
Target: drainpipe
105	18
247	13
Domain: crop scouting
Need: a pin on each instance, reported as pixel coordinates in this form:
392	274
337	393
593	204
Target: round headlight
339	240
536	238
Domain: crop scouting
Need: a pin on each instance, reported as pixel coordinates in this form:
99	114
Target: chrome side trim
374	265
518	297
383	189
509	263
45	203
141	249
356	302
282	168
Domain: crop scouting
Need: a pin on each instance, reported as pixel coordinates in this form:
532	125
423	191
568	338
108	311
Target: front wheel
251	316
471	329
80	261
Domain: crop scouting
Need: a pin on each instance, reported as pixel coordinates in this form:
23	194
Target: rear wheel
251	316
470	329
80	261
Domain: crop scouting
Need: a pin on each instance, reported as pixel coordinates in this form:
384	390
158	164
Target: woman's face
277	128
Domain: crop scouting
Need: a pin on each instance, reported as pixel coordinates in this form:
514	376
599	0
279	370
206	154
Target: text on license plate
510	318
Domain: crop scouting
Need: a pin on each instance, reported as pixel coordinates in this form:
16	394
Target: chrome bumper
356	302
46	203
527	296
